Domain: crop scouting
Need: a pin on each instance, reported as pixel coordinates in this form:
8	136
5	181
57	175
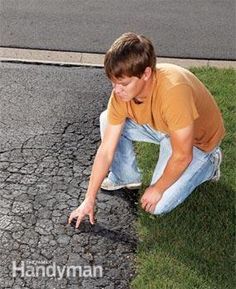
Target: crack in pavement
40	186
45	163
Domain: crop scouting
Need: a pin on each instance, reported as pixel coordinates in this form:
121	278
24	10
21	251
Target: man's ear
147	73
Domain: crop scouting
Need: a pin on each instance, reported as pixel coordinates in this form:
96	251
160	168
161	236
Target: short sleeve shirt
177	99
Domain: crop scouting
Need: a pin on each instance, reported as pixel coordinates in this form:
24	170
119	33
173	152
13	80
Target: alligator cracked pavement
49	127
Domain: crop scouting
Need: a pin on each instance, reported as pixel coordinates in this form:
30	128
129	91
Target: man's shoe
218	160
109	186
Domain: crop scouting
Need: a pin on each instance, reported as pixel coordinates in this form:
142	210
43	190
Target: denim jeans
124	168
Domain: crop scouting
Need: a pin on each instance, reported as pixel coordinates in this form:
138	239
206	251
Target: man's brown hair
129	55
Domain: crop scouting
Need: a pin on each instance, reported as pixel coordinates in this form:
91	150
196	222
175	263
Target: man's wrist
90	198
157	188
155	185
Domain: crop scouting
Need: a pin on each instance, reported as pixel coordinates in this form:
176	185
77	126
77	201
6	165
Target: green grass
193	246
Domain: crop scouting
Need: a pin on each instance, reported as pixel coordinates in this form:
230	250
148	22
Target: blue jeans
124	168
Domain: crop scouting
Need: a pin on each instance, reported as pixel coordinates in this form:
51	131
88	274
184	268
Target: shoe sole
130	187
133	186
218	174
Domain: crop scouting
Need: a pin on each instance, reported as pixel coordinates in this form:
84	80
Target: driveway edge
92	59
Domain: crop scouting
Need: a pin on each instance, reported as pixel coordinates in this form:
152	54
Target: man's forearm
174	169
101	165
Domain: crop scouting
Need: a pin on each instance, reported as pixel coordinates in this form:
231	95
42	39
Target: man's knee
171	200
103	122
164	208
160	211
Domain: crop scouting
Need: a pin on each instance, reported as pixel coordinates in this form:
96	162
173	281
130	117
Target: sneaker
109	186
218	160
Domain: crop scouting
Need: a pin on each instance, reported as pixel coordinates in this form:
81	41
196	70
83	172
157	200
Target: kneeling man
162	104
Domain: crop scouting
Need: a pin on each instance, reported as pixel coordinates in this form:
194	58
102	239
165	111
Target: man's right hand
101	165
86	208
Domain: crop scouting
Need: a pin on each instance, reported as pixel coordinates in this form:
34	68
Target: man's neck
146	91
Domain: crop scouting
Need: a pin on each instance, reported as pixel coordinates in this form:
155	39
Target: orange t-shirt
177	99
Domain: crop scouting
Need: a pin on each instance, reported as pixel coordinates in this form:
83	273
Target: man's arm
101	165
182	151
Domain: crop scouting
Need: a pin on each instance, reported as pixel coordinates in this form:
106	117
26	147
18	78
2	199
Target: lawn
193	246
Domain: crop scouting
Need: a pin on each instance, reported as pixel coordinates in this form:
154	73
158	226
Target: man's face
127	88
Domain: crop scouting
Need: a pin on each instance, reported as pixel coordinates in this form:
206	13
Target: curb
92	59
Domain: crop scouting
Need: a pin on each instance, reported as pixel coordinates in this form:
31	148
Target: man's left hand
150	199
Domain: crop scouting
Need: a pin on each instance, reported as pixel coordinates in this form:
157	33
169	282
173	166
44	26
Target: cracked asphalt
49	133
